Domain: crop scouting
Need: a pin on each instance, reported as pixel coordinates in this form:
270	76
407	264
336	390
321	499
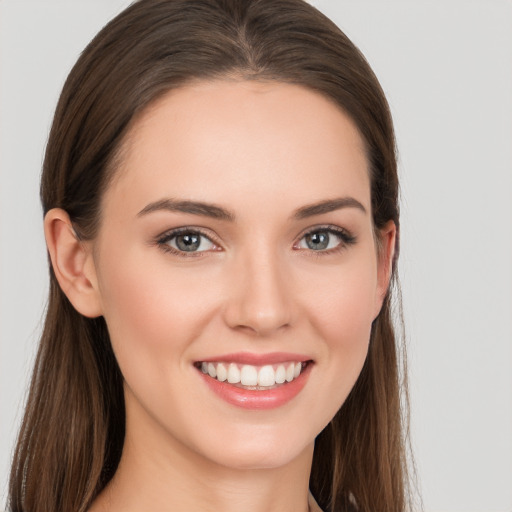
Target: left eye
321	240
189	241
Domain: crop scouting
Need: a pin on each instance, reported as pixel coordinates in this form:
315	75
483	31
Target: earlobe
72	263
385	255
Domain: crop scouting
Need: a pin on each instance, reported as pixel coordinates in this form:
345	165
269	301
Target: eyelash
346	239
164	239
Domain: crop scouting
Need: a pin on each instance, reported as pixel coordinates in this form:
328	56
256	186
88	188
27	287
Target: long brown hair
72	433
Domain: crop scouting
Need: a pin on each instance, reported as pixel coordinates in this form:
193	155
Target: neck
168	476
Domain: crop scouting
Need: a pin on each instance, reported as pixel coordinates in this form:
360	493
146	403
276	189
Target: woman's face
237	243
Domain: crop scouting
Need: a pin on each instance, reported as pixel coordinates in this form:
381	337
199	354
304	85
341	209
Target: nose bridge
260	300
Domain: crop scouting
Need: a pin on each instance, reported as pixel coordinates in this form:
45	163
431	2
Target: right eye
183	241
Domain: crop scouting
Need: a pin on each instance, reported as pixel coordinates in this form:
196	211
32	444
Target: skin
261	151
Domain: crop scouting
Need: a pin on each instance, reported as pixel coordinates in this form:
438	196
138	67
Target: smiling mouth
247	376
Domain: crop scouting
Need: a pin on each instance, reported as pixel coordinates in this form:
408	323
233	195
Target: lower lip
254	399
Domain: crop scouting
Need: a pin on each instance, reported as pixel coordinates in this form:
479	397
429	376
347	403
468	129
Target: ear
385	255
73	263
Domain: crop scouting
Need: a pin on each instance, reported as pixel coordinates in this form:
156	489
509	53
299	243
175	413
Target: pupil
188	242
318	241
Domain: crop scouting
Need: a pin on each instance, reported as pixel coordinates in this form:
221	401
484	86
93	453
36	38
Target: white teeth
290	371
266	376
249	375
222	373
233	374
280	374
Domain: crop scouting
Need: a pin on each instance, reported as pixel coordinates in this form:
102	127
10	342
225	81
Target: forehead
244	141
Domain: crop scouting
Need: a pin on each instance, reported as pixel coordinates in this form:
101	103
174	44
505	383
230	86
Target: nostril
260	328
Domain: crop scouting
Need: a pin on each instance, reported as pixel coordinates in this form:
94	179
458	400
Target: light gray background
446	67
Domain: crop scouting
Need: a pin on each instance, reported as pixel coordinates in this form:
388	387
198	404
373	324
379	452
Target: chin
259	448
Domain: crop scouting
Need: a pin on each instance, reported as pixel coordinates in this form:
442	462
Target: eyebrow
192	207
217	212
328	206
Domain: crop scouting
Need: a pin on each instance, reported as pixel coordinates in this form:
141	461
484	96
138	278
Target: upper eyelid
188	229
164	238
207	233
346	238
325	227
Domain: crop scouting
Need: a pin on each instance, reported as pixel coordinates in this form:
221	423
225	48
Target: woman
221	214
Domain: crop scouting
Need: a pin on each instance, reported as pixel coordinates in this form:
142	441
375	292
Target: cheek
343	316
344	308
151	312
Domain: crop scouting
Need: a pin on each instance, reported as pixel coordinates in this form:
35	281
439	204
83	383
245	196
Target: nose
260	296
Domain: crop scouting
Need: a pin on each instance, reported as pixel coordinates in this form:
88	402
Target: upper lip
258	359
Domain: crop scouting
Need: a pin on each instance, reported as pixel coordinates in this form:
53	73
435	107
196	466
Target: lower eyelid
163	241
344	237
